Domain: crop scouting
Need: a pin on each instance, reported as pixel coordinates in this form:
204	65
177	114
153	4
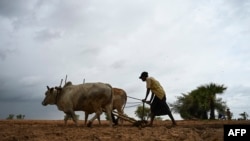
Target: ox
119	102
88	97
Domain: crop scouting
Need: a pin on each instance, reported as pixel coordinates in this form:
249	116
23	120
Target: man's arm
147	93
152	95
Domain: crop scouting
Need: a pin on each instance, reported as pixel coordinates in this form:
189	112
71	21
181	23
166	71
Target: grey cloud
62	15
4	53
97	20
234	12
30	81
47	34
89	52
20	88
16	8
240	89
113	41
13	93
118	64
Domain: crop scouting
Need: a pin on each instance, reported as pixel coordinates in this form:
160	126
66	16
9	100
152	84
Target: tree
199	105
211	90
198	102
220	107
11	116
20	116
139	112
244	115
184	105
191	105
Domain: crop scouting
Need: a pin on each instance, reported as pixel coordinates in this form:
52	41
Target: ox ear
48	87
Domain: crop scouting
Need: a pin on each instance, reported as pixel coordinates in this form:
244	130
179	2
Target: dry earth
54	130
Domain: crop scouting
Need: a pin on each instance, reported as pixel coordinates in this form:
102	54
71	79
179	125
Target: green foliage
210	91
11	116
199	102
20	116
141	114
244	116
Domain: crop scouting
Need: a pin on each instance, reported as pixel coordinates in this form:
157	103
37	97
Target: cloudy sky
182	43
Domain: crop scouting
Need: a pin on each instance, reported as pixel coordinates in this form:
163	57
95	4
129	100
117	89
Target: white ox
88	97
119	102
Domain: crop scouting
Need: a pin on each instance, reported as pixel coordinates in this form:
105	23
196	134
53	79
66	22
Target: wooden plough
138	123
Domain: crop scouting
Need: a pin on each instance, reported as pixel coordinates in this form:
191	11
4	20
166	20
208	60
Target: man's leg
170	115
152	119
172	119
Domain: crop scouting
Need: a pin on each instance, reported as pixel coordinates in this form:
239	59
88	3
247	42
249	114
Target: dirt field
54	130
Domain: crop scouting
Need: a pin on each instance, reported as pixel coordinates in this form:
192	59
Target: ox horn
61	83
65	79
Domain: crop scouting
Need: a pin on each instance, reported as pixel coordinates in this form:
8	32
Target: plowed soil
54	130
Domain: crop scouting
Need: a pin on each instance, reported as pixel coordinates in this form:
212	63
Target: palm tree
191	105
200	99
198	102
183	106
244	115
210	91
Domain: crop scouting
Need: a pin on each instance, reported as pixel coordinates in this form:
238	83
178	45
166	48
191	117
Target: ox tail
112	94
111	115
125	94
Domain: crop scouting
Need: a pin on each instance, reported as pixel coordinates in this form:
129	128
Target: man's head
143	75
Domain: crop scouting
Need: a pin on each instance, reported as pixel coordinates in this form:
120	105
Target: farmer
228	114
221	116
157	102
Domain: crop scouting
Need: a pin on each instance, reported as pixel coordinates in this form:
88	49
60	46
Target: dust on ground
48	130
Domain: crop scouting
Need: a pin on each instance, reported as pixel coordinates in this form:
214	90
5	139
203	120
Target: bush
20	116
11	116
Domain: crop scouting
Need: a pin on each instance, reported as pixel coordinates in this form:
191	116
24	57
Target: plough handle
124	117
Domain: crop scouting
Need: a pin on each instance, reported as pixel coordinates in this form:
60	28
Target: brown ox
119	102
88	97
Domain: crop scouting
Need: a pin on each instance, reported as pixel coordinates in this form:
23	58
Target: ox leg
66	117
97	116
109	111
73	116
120	112
86	118
99	119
